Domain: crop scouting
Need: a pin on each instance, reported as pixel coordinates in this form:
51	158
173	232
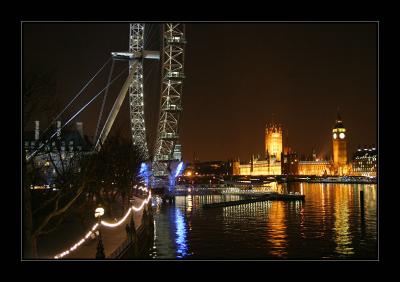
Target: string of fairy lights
106	224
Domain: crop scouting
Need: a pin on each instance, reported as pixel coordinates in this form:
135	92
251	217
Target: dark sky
237	75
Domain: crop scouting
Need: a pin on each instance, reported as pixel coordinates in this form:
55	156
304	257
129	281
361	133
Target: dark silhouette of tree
108	174
116	168
46	210
38	96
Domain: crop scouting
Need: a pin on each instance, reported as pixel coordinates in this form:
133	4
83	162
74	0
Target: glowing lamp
98	212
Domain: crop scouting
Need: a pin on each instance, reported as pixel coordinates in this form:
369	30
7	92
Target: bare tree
117	166
38	98
47	209
107	175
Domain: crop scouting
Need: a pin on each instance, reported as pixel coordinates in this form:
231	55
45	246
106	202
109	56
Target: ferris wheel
166	150
167	147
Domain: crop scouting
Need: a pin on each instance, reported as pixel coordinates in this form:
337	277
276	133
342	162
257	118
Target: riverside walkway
112	236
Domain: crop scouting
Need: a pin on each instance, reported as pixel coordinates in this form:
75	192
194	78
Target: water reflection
342	236
238	214
181	232
327	225
153	251
322	187
276	229
164	245
189	203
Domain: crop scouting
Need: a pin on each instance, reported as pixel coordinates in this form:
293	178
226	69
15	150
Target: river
330	224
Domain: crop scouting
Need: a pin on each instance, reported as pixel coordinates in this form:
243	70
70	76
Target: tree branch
46	203
57	211
43	232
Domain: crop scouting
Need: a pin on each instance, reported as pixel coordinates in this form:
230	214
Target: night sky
237	76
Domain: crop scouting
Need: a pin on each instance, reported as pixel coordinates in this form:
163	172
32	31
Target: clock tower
339	140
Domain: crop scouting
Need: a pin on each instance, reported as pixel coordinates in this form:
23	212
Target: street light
98	213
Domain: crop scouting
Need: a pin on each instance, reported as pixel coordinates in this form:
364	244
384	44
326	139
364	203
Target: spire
339	122
338	118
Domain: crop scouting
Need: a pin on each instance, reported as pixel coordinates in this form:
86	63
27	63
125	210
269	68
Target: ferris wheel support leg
115	109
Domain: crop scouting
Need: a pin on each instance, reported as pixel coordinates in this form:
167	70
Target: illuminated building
236	167
364	162
273	141
339	142
323	167
319	168
286	162
59	152
271	165
314	166
260	167
289	162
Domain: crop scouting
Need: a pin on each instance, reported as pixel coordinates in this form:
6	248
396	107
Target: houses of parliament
280	160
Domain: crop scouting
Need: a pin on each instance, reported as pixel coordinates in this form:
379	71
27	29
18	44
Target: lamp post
98	213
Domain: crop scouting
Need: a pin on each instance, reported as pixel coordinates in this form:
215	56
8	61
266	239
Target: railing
176	39
168	135
165	158
172	107
134	239
106	224
174	74
121	249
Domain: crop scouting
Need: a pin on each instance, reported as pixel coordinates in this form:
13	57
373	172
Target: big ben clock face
341	135
334	135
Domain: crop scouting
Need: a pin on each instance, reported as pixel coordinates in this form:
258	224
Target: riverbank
72	231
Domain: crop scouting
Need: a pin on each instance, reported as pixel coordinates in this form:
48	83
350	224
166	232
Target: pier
269	197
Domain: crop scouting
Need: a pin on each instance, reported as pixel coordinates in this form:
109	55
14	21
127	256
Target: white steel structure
167	147
171	92
136	101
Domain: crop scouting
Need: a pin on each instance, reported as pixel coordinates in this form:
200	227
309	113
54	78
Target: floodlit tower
339	143
273	141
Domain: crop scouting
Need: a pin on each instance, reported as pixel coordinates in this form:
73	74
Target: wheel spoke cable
77	113
77	95
104	100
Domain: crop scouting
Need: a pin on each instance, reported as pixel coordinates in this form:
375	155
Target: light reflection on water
180	234
343	236
276	230
329	224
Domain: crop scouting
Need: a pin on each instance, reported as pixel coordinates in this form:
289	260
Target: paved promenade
112	238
